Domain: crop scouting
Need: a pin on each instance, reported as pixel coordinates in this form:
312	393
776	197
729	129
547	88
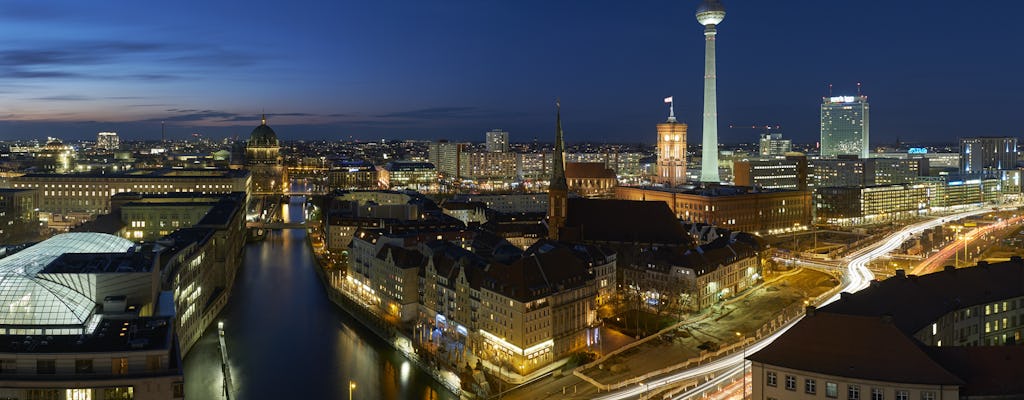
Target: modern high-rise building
987	154
672	151
107	141
844	126
497	141
710	13
772	143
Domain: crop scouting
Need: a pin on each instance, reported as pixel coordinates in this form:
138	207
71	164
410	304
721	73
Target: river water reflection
286	340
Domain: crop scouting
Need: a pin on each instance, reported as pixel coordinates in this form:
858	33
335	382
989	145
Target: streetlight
645	386
351	387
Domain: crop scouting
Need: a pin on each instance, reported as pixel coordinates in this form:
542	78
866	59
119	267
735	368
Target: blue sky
454	69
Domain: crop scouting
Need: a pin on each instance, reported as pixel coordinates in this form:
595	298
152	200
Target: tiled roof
854	346
626	221
580	170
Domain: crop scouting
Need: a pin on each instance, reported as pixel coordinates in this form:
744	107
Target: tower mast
710	13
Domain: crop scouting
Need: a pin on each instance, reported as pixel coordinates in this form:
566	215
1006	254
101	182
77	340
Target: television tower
710	13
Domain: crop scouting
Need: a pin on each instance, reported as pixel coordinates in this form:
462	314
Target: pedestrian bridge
276	225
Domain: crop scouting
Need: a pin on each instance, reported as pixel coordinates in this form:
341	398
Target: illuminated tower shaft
709	154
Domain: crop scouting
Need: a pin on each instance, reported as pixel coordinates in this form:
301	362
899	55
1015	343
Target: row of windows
853	392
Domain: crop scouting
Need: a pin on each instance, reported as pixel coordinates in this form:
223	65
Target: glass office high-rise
844	126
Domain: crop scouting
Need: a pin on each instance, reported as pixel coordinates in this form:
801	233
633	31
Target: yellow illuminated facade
671	153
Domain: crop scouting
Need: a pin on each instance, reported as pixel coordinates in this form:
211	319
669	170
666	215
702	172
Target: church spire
558	159
558	190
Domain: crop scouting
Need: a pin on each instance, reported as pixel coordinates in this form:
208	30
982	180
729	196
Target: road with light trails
857	277
933	263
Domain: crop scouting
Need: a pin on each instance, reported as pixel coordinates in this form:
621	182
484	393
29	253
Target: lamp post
643	393
351	387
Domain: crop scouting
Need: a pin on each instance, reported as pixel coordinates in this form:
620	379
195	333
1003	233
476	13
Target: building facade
788	173
671	153
410	175
497	141
590	179
90	194
773	145
844	126
263	160
884	343
732	207
987	154
107	141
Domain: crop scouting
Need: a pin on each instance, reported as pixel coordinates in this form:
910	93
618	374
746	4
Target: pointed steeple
558	191
263	120
558	160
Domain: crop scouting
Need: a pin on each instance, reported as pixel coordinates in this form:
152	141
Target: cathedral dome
263	136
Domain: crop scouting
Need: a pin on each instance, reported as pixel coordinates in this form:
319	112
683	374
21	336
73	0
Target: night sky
933	70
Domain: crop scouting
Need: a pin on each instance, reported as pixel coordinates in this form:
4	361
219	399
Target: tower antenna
858	89
830	89
163	137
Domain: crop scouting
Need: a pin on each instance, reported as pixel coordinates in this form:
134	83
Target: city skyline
338	71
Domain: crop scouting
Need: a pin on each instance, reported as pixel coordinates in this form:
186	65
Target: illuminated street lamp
351	387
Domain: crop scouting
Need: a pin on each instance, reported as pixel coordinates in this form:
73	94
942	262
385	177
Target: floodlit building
735	208
353	175
861	172
410	175
107	141
694	279
888	342
90	193
987	154
671	152
773	145
771	173
844	126
590	179
857	205
263	159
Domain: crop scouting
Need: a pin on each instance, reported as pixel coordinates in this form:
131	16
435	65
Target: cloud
66	97
33	74
79	59
434	113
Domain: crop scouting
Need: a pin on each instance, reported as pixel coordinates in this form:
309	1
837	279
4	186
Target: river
286	340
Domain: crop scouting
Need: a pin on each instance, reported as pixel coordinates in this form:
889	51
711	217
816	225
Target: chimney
901	273
810	310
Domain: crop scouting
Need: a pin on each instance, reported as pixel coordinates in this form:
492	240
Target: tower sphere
710	12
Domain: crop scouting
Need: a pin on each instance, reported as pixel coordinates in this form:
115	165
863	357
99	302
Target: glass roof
27	299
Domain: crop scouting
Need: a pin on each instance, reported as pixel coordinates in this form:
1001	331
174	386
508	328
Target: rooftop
111	335
31	300
630	221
